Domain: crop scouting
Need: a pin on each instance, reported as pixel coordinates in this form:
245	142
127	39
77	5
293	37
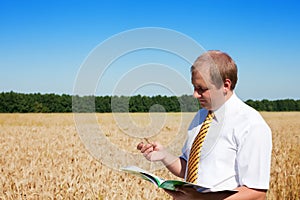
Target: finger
172	193
146	147
140	145
156	146
147	156
185	190
150	155
149	150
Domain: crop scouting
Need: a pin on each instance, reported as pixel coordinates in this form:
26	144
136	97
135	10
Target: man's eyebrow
199	86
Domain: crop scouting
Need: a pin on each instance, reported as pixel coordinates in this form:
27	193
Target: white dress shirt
236	150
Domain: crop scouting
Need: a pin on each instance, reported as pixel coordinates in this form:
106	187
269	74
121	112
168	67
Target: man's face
207	94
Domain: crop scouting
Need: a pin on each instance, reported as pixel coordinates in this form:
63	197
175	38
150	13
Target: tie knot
210	115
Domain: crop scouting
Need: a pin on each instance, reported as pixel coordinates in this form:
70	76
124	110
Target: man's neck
228	95
225	99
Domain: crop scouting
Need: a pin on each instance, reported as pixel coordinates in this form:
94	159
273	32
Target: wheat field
43	156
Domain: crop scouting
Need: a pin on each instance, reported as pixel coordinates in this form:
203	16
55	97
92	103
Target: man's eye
200	89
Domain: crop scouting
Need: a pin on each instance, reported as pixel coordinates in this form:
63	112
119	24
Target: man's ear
227	85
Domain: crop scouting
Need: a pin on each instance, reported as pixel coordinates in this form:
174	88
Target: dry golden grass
285	171
42	157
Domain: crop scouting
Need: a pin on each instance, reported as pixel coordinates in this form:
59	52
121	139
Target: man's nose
196	94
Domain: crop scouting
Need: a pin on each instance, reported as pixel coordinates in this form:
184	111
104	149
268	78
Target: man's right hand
152	151
156	152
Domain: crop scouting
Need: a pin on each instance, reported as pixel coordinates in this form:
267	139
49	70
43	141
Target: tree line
12	102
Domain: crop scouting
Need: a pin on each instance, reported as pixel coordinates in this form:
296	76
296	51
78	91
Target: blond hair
221	67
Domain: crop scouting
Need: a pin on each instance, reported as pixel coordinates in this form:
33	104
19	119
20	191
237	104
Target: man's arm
156	152
177	167
244	193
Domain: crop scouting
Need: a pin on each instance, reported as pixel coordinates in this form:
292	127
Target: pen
147	141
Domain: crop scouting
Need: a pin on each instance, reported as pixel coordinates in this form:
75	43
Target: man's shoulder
244	108
246	113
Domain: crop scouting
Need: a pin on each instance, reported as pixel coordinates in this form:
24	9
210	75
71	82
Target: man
236	151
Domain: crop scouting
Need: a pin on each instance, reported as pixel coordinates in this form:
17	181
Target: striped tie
194	157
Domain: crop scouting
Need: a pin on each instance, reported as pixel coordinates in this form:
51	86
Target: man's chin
204	105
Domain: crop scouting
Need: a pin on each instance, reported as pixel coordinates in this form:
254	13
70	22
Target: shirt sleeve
254	156
184	152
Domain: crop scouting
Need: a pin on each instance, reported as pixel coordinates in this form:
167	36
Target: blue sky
43	43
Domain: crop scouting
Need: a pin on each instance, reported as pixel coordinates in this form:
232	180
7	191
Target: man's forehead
201	79
198	73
